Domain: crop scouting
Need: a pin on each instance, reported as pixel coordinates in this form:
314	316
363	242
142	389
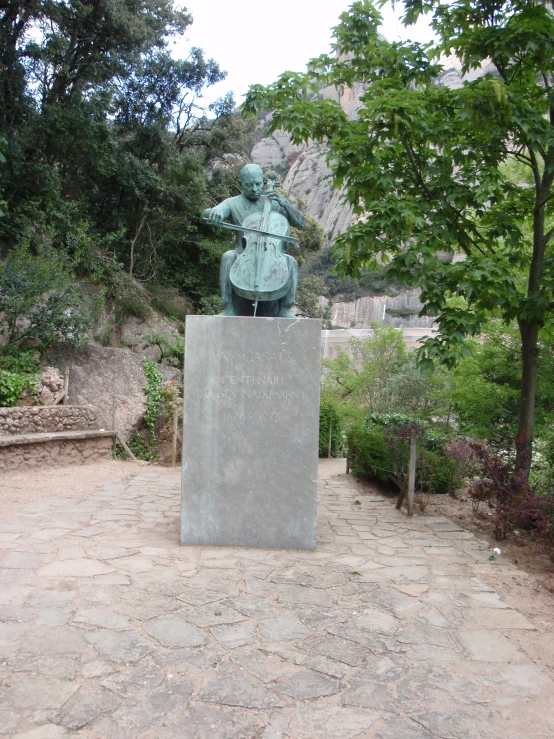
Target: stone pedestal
250	432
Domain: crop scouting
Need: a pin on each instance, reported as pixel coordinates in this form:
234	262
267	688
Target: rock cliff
307	177
102	376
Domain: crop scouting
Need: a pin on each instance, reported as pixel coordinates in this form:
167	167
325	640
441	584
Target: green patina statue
258	278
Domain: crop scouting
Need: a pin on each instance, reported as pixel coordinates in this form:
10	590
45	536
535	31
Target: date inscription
251	418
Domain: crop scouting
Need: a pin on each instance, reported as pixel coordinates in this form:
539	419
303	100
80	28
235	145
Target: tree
415	392
427	167
484	387
311	301
359	376
40	302
107	147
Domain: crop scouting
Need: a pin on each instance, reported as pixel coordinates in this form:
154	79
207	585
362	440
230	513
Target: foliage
311	238
169	302
23	362
541	478
379	448
161	399
418	393
369	282
108	153
143	441
12	384
211	305
153	394
360	376
40	301
515	501
484	387
309	296
18	371
368	452
432	168
3	203
170	346
330	425
461	451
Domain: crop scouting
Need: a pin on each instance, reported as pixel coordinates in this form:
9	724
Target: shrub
329	423
12	384
171	347
23	362
161	398
368	452
18	371
212	305
542	467
131	301
437	472
41	303
515	501
379	448
168	301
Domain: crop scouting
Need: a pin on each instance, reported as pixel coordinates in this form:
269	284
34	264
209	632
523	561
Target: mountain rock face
307	177
307	171
400	311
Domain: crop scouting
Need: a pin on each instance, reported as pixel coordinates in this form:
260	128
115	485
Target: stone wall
55	452
46	419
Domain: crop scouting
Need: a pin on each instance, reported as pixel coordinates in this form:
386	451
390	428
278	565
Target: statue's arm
219	213
294	216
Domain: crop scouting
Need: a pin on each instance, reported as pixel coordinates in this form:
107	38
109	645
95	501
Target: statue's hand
215	215
276	196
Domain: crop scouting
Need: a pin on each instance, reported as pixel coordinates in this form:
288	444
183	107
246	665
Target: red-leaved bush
516	503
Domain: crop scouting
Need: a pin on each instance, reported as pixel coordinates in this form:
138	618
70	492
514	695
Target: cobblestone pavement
110	629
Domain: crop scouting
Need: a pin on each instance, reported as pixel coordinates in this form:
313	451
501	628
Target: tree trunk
529	331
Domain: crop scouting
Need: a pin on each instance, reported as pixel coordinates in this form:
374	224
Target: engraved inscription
282	356
248	382
273	394
252	417
259	394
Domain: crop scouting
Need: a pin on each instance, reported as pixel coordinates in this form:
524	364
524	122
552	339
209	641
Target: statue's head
252	181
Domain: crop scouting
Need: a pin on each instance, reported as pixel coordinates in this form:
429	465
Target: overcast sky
255	41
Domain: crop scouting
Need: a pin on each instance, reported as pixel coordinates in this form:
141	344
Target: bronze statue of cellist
258	277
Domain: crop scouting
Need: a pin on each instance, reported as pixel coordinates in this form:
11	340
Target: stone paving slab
110	630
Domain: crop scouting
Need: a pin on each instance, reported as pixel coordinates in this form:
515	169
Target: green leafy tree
484	388
107	148
40	302
358	376
425	165
418	393
309	296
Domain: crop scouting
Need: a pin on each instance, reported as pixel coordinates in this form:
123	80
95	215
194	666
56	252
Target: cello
261	272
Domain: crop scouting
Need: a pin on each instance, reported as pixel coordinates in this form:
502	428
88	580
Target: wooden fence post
65	386
411	475
175	430
114	422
